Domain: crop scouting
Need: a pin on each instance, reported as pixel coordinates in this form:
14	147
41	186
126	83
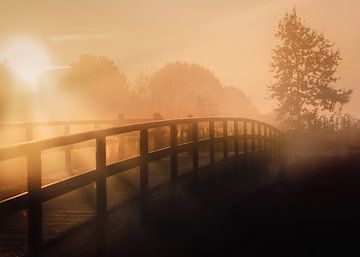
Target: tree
233	102
94	73
179	88
141	85
97	83
304	67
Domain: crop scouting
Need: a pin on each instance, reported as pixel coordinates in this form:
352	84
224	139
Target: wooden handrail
37	194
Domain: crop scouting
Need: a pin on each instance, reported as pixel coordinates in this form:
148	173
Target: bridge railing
255	136
30	127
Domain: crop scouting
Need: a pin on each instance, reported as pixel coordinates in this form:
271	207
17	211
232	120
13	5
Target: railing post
195	138
35	209
252	138
144	170
265	139
101	193
101	197
173	145
260	140
121	138
226	143
67	150
236	138
29	132
266	142
246	145
212	141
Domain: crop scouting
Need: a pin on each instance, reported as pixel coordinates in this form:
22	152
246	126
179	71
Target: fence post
173	145
35	209
252	138
212	141
121	138
101	197
101	193
260	136
144	170
246	146
195	130
253	143
225	137
67	150
236	138
29	132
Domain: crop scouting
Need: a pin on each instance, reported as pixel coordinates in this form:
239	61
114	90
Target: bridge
167	153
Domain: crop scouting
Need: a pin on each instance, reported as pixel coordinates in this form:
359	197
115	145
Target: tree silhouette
304	67
96	73
98	81
178	88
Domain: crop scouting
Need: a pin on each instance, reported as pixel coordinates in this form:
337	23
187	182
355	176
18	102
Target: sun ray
27	59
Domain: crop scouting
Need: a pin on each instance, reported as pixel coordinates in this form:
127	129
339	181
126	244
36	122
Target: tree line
304	66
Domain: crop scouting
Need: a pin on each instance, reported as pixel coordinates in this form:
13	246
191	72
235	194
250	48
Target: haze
232	38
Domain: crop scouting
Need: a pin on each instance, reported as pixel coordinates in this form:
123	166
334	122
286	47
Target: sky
233	38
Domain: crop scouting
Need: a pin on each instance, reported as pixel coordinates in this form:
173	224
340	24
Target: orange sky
233	38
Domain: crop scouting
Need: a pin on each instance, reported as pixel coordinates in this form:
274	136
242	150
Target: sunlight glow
27	60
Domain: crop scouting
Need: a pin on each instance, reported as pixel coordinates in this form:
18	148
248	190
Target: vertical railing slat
35	206
29	132
236	137
173	146
226	143
195	139
212	141
101	195
253	137
144	166
246	147
67	150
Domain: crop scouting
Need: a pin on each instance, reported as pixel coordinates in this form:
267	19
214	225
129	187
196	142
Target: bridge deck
175	215
311	214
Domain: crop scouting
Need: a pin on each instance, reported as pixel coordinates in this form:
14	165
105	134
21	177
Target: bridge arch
255	136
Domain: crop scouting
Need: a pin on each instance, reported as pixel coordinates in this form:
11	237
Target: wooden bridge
228	140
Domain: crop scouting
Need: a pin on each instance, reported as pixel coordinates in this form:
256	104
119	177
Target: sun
27	59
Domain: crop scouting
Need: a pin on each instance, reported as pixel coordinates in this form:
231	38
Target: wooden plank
67	185
158	154
13	204
123	165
